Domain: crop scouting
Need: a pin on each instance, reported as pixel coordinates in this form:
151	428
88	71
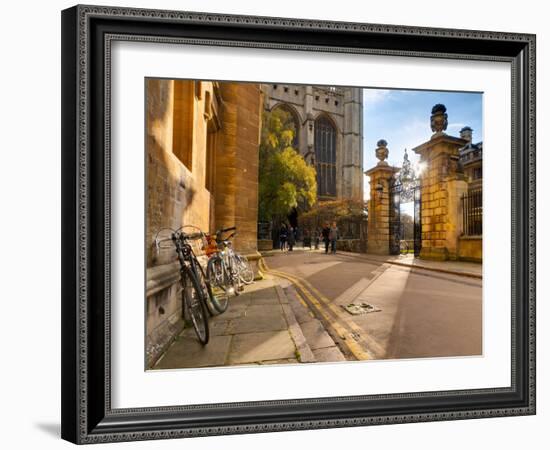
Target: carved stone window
325	157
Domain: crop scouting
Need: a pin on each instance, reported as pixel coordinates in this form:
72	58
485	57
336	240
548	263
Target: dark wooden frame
87	32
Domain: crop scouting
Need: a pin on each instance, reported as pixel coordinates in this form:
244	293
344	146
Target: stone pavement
261	326
322	345
463	268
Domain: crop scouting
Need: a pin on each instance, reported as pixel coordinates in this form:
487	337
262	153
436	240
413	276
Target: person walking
291	239
333	237
317	238
325	233
283	234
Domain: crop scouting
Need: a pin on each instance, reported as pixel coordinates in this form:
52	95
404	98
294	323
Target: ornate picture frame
87	35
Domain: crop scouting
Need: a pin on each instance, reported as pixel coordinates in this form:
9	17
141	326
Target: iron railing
472	213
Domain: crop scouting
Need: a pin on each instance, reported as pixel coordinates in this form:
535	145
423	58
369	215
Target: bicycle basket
196	238
211	246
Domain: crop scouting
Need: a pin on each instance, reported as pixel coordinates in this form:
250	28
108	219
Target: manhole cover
360	308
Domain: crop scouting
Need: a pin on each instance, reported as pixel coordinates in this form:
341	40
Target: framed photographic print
280	224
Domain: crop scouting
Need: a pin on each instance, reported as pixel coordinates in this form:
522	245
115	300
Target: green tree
286	181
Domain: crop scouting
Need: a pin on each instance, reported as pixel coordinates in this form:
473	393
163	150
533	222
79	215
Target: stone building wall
236	190
202	142
471	158
344	108
176	195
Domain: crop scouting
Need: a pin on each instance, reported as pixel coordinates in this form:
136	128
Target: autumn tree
286	181
345	212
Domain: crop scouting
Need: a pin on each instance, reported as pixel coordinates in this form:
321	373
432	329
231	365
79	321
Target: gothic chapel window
325	157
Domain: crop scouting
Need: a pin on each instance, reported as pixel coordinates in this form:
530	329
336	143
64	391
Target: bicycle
237	265
245	270
194	291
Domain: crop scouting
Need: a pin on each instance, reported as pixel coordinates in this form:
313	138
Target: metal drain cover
356	309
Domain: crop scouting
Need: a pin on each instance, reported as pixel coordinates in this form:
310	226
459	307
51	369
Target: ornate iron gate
417	220
395	215
404	188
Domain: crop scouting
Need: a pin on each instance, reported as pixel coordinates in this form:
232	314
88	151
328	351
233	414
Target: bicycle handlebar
192	236
225	230
174	235
219	239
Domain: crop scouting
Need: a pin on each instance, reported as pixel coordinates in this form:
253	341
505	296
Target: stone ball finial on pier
382	152
438	119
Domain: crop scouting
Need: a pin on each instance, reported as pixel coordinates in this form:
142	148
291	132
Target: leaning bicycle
237	265
195	290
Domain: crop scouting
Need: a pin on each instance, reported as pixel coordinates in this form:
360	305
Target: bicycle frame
226	254
188	262
227	259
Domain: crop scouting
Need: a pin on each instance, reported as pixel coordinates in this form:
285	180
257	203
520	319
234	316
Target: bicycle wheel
233	276
218	284
194	304
246	273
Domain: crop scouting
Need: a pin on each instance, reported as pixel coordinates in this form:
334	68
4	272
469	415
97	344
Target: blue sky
402	118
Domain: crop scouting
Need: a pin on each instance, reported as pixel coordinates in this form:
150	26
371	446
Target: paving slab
257	323
328	354
218	327
303	349
259	327
256	311
234	311
302	313
266	346
239	301
265	300
191	353
315	335
280	361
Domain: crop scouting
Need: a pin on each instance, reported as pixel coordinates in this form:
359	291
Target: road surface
420	313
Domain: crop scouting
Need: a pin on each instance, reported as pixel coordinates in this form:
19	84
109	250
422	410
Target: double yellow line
348	332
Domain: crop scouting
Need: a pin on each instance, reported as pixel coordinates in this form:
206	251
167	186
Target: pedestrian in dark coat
325	233
283	234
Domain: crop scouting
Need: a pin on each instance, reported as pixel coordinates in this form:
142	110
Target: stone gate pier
442	185
378	227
